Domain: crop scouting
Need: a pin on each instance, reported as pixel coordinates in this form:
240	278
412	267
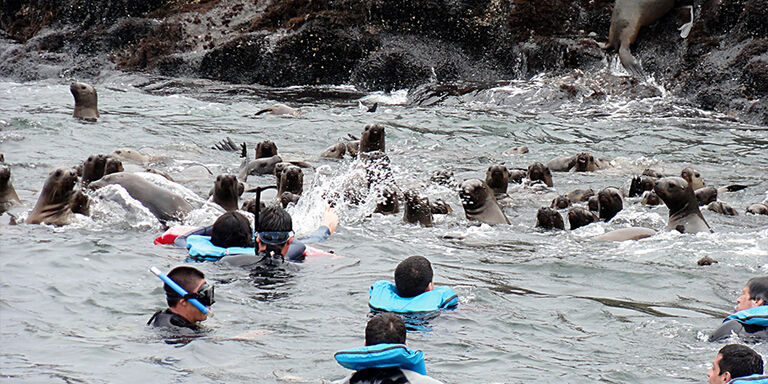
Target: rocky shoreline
441	47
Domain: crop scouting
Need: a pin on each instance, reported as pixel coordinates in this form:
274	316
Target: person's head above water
385	328
754	294
232	229
193	281
275	229
413	276
734	361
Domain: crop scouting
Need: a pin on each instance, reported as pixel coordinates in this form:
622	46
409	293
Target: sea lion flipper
630	64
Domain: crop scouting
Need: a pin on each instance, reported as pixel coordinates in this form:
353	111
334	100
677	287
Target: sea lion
388	203
353	147
113	166
227	191
651	198
517	175
539	172
652	173
624	234
548	218
278	171
579	217
706	260
561	164
627	18
54	206
560	202
706	195
440	207
266	148
279	109
593	204
127	154
377	167
480	204
581	162
165	205
228	145
580	195
8	195
758	209
86	101
93	169
261	166
288	198
516	151
372	138
610	203
497	178
722	208
250	206
417	209
692	177
684	213
640	184
335	151
291	180
443	177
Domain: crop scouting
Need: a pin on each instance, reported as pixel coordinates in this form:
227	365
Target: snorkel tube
202	308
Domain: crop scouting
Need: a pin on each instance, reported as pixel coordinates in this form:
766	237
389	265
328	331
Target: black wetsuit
168	319
747	332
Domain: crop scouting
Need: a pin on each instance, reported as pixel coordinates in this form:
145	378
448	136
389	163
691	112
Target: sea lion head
372	138
5	177
548	218
693	177
584	162
539	172
651	198
59	186
497	178
335	152
593	204
288	198
266	148
560	202
86	101
640	184
113	165
720	207
579	217
579	195
226	191
758	209
279	167
652	173
250	206
473	193
610	203
440	207
675	192
417	209
93	168
291	180
706	195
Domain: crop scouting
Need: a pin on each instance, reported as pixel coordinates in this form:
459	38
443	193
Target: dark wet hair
232	229
758	289
275	219
412	276
385	328
187	277
740	361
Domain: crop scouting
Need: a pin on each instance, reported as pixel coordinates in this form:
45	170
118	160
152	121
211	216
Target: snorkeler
737	364
181	311
412	291
750	320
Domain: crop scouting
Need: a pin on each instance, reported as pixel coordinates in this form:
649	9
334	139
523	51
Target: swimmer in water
737	364
750	319
180	312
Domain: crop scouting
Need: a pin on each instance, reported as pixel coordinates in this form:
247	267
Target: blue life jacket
753	316
384	298
382	356
752	379
201	249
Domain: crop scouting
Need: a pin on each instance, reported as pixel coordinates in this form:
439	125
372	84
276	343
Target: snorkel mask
274	241
204	294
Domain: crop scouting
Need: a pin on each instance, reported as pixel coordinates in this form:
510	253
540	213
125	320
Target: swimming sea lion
560	202
336	151
54	206
165	205
261	166
497	178
372	138
539	172
624	234
580	195
706	195
517	175
610	203
684	214
652	173
353	147
640	184
417	209
480	204
758	209
266	148
291	180
86	101
651	198
581	162
250	206
693	177
627	18
279	109
93	168
706	260
113	166
388	202
227	191
593	204
548	218
227	144
722	208
8	194
579	217
127	154
516	151
561	164
440	207
288	198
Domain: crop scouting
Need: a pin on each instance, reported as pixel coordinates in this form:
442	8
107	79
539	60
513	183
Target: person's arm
327	227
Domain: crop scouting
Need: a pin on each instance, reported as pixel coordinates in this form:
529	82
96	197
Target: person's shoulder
418	378
168	319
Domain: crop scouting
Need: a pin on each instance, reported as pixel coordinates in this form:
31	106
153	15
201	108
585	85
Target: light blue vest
753	316
381	356
384	298
201	249
753	379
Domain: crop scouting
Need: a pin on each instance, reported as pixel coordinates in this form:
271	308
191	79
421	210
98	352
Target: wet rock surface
440	49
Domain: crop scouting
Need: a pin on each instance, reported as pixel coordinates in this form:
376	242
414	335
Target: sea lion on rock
684	213
560	202
388	202
627	18
539	172
372	138
758	209
579	217
57	198
722	208
261	166
93	169
610	203
86	101
693	178
336	151
227	191
580	195
624	234
165	205
480	204
497	178
279	109
266	148
291	180
8	194
548	218
417	209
